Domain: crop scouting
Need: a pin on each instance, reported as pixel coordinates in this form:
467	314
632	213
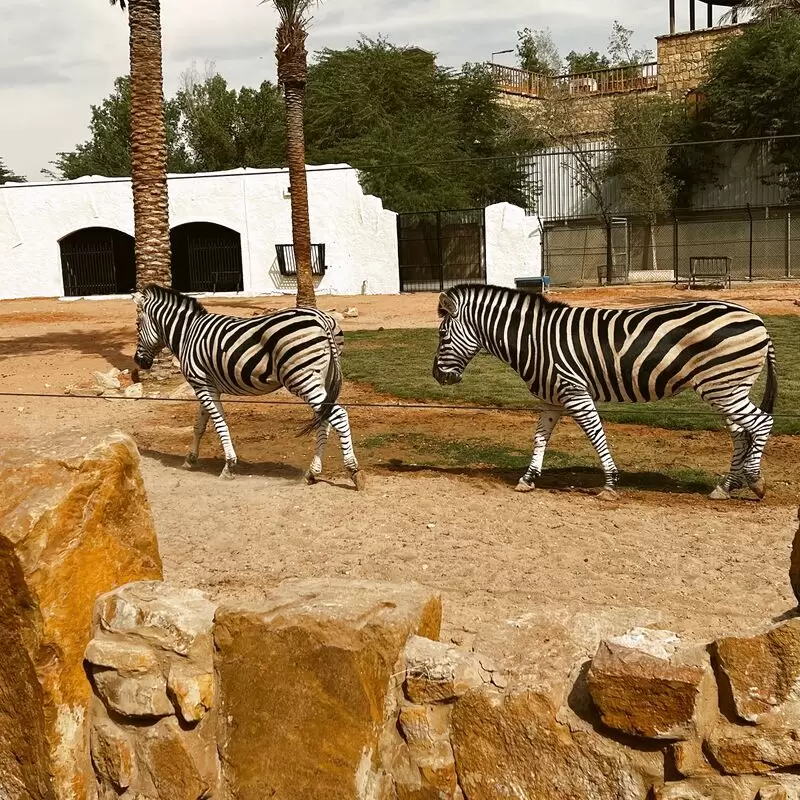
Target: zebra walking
299	348
571	357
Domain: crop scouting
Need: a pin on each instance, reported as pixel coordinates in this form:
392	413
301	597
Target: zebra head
458	342
149	340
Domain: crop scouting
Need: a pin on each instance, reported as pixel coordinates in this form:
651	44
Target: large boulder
79	524
740	750
153	717
648	683
512	746
310	683
24	756
760	674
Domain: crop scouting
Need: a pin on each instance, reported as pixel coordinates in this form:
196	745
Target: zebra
571	357
299	348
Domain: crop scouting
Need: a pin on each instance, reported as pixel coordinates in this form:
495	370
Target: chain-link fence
754	244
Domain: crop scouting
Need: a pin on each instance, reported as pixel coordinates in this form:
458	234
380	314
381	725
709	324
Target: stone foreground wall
339	689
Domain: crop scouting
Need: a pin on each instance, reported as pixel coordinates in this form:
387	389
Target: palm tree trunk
148	146
294	95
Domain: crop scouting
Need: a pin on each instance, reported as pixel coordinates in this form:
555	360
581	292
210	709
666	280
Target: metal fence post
788	244
675	266
750	266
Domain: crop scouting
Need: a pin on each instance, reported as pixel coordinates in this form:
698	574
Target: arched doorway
206	258
97	261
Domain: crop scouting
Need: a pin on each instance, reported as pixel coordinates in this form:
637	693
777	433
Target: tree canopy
752	89
424	136
7	175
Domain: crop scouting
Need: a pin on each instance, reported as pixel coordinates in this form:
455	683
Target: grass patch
408	450
399	363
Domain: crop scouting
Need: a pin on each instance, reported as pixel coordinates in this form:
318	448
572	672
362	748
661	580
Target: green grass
560	469
399	363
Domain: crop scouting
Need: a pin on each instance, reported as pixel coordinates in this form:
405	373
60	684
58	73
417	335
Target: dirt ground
697	566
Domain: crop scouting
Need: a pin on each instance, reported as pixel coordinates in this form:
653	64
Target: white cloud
58	58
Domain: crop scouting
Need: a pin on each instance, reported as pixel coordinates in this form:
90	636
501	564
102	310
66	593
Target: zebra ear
447	305
138	298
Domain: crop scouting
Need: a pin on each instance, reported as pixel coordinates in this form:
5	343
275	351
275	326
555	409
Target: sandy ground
697	566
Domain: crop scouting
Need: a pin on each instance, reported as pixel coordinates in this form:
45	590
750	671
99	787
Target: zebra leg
315	470
582	408
210	401
340	421
735	477
756	426
199	429
547	421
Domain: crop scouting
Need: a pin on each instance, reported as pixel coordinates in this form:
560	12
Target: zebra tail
771	388
333	384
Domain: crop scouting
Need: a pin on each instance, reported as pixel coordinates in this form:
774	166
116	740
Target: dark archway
206	258
97	261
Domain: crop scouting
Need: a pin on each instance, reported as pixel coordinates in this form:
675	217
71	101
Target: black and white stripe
571	357
299	348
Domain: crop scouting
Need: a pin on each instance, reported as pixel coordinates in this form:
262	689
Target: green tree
752	89
379	104
620	50
537	52
590	61
108	150
765	10
291	55
222	128
8	176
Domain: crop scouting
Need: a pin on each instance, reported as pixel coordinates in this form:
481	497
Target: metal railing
287	264
634	78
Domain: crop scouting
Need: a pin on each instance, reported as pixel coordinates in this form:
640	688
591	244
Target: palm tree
148	143
765	10
292	76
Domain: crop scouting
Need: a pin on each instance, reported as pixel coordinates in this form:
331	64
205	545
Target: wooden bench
533	285
709	271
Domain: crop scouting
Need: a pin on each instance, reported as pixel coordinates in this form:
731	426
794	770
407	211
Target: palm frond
764	10
293	12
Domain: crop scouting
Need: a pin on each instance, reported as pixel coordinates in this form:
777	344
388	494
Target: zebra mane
163	292
480	290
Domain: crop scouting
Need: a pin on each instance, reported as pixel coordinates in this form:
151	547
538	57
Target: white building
231	232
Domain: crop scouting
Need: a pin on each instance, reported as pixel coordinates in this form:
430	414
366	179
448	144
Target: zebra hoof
190	463
359	480
608	495
227	474
310	478
524	486
719	494
759	488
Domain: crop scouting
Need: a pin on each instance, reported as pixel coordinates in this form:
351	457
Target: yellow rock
80	525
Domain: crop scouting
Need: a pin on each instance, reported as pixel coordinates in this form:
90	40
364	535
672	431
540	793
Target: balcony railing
635	78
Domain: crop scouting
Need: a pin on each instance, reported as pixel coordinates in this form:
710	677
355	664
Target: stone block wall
683	57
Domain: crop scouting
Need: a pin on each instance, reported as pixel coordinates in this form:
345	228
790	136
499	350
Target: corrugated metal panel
557	192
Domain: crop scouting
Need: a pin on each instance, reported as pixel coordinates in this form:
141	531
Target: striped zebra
571	357
299	348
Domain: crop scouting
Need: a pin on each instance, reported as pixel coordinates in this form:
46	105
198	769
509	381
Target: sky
56	59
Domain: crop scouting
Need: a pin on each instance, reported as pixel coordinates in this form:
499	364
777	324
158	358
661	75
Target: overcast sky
57	58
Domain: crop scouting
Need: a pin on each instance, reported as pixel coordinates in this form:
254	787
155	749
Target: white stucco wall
513	245
359	234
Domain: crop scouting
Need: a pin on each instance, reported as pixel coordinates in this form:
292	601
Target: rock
689	759
163	616
184	391
437	672
743	751
336	315
140	696
80	524
513	746
128	658
646	684
112	754
134	390
306	683
760	674
739	788
426	732
24	753
177	768
350	313
107	380
192	692
794	563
